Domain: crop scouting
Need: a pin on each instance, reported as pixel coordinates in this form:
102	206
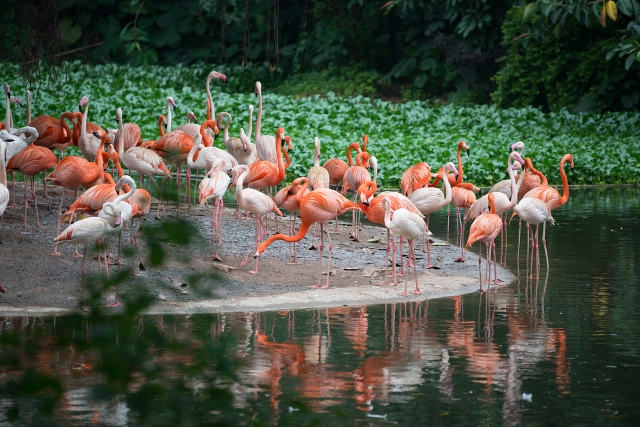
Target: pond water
561	350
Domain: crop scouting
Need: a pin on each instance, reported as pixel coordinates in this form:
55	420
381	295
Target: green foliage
568	71
604	145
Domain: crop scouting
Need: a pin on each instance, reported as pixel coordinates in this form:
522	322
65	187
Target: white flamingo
241	148
431	199
264	143
86	231
213	186
318	176
257	203
410	226
4	191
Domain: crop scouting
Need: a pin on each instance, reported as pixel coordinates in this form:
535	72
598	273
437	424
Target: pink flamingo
415	177
317	175
30	162
319	206
4	191
288	199
485	229
128	134
534	211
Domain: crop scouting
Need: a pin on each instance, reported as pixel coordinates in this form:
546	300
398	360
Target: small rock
223	267
184	293
351	268
162	297
333	272
367	251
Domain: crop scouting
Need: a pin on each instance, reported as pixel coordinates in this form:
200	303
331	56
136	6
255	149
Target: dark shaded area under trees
479	51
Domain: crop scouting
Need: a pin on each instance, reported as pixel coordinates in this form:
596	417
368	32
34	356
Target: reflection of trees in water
346	357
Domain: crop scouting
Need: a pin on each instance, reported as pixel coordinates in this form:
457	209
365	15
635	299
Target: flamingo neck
459	180
447	189
129	192
193	150
3	171
302	190
304	227
563	176
543	179
29	110
279	150
259	119
287	162
354	146
120	136
211	108
160	128
63	121
316	157
250	121
226	128
387	214
168	117
514	187
8	119
206	141
83	127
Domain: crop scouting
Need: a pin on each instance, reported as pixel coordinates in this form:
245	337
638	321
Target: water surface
561	350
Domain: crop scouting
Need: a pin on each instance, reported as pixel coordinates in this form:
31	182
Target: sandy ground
39	283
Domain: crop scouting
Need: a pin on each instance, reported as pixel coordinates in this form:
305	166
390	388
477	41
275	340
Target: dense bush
568	70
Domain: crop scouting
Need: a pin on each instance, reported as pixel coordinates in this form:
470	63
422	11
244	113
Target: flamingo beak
468	152
97	134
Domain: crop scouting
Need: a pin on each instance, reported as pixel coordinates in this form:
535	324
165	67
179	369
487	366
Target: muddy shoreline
189	281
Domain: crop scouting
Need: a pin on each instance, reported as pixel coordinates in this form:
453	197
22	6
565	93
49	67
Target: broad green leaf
529	10
625	7
629	61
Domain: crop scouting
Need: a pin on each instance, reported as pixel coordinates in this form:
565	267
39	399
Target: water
561	350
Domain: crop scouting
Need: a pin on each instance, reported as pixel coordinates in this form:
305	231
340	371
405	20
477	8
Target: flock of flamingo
256	169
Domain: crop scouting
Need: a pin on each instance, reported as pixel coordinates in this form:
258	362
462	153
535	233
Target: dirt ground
39	283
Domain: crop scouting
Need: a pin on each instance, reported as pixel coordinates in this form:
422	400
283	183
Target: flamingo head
7	91
287	140
27	95
171	102
244	139
463	146
518	146
452	168
118	115
280	133
217	75
16	100
258	89
192	116
83	102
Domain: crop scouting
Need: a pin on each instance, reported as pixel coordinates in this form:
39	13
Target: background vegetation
604	145
564	54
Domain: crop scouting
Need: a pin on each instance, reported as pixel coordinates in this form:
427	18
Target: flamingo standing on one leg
429	199
16	142
30	162
319	206
257	203
213	186
409	225
87	231
485	229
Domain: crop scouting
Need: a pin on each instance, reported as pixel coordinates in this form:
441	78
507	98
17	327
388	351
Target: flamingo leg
496	281
35	199
460	235
321	249
13	188
519	230
386	260
189	188
55	247
412	255
259	235
487	263
401	273
84	276
330	251
544	243
393	259
480	268
161	198
537	254
26	203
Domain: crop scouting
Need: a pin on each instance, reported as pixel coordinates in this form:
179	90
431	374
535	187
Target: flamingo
75	172
264	143
551	196
128	134
211	114
429	199
319	206
503	201
16	142
338	167
353	178
89	141
4	191
241	148
288	199
192	129
485	229
171	105
318	176
415	177
374	211
255	202
534	211
409	225
265	173
30	162
140	202
87	231
8	121
213	186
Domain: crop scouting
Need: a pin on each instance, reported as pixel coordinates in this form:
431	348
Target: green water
561	350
